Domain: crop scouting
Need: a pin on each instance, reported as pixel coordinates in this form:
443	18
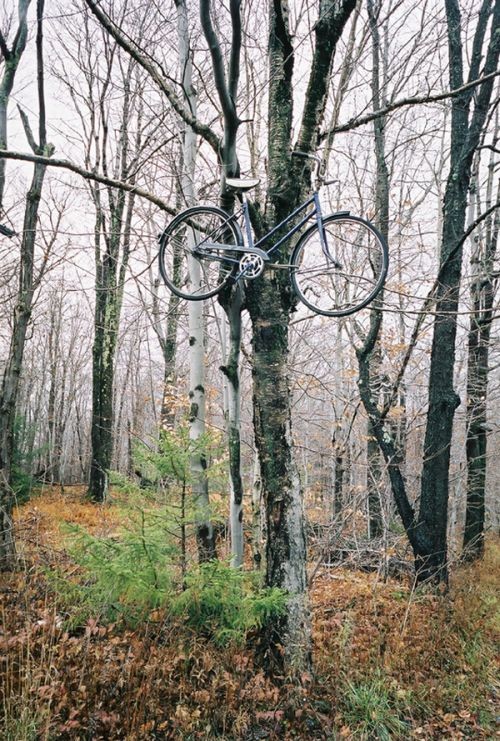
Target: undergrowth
128	575
158	653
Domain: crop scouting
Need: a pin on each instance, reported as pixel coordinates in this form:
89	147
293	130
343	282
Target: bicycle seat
242	184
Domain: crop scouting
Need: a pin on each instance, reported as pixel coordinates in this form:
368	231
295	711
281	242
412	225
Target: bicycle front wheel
348	275
191	263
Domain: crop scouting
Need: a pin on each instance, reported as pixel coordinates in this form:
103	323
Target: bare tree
483	291
29	279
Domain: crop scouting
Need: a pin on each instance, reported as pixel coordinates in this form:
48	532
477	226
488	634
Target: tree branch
42	128
234	60
4	49
131	48
227	103
328	29
427	305
356	122
87	175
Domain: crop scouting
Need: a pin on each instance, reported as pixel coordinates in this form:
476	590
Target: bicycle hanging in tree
337	267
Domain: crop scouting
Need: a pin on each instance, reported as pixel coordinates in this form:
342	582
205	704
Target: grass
389	663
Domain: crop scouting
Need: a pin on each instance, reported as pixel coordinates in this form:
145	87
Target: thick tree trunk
286	545
103	360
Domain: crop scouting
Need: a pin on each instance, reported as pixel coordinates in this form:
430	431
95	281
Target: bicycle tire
350	277
192	276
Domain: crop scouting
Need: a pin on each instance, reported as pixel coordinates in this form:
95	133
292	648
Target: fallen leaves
160	681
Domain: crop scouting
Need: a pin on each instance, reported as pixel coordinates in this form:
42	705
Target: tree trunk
232	419
375	474
111	262
27	286
199	482
443	400
483	290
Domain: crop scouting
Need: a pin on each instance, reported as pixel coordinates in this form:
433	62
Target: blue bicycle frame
256	247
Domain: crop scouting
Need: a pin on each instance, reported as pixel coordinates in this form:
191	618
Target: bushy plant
224	603
129	574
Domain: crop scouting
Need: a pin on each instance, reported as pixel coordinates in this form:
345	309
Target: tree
469	115
427	530
269	301
483	292
29	278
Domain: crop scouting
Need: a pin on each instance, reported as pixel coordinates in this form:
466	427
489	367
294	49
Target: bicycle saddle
242	184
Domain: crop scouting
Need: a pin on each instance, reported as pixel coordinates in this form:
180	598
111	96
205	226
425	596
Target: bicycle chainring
251	265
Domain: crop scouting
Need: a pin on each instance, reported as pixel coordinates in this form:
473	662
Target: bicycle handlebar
318	176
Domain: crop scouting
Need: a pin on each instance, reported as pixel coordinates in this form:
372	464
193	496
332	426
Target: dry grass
387	660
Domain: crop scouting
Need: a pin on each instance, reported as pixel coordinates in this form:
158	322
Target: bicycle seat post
246	218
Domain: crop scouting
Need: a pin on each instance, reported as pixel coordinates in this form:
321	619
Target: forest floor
389	662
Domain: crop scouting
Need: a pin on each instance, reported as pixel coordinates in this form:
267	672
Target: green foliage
128	575
20	724
224	603
371	712
170	463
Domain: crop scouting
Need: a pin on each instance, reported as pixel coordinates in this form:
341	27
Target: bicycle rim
189	265
350	276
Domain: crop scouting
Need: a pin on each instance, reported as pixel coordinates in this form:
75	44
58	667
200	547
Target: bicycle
337	267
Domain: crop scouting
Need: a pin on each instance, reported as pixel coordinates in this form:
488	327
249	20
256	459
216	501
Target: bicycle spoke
349	277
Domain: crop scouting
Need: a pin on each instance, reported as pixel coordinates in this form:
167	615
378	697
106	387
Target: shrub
223	603
131	575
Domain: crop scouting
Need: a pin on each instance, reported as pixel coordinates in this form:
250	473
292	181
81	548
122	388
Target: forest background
371	436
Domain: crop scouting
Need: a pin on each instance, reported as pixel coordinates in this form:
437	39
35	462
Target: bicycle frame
316	211
256	247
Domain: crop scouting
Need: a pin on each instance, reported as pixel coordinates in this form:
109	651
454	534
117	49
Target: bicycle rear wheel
191	264
350	276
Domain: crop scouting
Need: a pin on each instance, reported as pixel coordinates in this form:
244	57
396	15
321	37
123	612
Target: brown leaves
159	681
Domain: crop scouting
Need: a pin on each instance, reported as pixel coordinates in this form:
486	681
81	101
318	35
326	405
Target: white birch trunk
195	309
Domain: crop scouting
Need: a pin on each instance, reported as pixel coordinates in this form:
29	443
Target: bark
466	129
483	291
28	283
258	533
375	474
231	372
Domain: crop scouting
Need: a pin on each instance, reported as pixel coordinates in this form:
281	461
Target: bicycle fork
322	233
